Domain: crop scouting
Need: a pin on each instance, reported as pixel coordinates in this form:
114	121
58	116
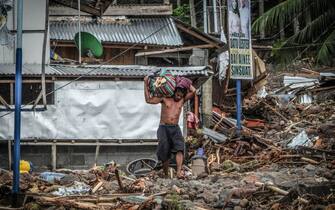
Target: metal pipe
238	105
79	29
216	25
46	28
204	2
18	98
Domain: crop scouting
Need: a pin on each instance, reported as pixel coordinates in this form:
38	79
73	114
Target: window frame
26	107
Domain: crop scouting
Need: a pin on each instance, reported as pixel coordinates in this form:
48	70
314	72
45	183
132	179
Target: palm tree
316	36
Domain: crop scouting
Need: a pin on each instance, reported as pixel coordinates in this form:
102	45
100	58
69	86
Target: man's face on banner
243	3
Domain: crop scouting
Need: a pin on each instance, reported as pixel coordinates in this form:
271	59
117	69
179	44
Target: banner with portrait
240	52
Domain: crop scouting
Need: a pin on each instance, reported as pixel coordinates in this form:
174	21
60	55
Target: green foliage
183	13
327	49
316	35
174	202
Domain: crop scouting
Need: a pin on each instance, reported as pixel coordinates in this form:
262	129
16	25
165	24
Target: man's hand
191	93
148	98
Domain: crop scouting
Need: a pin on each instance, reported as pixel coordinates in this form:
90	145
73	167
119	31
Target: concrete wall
77	157
33	19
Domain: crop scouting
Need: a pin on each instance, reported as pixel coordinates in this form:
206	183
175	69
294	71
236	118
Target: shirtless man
169	134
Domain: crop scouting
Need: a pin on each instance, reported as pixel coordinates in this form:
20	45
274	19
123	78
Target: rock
187	204
175	183
310	167
176	189
202	175
32	206
207	196
214	179
244	202
185	197
237	208
198	188
225	195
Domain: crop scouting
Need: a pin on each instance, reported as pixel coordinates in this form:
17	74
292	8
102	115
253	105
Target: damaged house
79	114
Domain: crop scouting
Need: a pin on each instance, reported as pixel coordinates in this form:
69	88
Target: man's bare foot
180	175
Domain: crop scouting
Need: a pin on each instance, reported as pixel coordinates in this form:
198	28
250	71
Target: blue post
238	106
18	98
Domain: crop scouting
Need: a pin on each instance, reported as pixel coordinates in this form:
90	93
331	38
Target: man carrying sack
169	133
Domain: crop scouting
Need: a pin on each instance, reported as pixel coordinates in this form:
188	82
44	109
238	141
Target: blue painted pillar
238	106
18	98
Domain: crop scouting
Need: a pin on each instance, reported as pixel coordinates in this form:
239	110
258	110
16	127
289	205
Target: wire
298	46
96	68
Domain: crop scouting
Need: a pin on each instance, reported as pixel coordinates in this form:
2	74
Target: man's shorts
170	140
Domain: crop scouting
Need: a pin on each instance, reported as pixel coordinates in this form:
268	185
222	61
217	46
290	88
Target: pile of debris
283	158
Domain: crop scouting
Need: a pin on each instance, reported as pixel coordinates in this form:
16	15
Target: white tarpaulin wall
91	110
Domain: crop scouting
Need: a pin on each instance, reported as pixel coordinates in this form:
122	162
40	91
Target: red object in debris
192	120
254	123
217	110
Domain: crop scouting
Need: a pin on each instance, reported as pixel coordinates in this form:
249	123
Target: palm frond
327	50
284	11
314	29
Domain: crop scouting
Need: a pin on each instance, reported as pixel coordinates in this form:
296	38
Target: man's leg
166	168
163	149
179	161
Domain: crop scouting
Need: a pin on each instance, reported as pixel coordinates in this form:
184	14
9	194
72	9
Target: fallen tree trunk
65	202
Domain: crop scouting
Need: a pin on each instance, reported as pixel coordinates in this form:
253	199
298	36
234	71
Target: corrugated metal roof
162	30
105	70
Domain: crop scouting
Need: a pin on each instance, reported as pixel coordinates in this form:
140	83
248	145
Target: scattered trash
300	140
51	176
78	188
199	163
25	166
215	136
141	167
262	93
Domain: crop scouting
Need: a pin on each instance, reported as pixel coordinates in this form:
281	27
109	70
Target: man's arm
148	98
191	93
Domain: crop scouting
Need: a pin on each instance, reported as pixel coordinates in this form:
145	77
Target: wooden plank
10	155
226	81
106	5
105	44
37	99
173	50
83	7
89	144
54	156
193	14
25	81
139	10
309	71
11	94
3	101
278	190
197	35
97	151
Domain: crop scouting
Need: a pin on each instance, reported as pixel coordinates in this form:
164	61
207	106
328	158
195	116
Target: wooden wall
127	58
